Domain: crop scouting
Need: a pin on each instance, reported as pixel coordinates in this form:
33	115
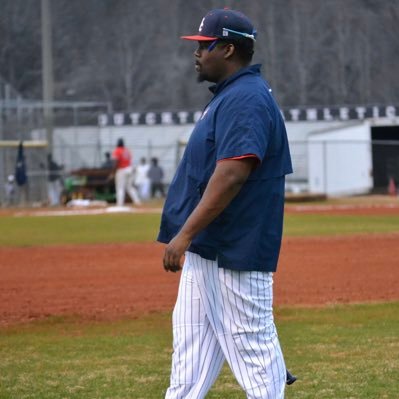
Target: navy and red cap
224	24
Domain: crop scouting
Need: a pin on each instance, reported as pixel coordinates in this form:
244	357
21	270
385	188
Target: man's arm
225	183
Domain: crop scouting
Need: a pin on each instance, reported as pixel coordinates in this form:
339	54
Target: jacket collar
250	70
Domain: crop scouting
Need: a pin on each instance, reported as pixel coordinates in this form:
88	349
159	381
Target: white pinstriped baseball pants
124	182
220	315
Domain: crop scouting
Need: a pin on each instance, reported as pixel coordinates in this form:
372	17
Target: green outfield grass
78	229
91	229
322	224
347	351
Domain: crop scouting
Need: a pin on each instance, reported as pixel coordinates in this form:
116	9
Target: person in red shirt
124	174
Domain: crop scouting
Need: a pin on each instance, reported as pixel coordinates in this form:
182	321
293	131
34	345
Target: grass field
91	229
87	229
346	351
337	352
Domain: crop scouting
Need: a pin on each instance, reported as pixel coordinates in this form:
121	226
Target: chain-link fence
20	120
34	191
332	168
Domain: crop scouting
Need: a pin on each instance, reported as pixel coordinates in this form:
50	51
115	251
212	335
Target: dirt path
106	282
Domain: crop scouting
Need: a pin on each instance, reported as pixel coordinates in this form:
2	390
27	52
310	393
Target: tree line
128	52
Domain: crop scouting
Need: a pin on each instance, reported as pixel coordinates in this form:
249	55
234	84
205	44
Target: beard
201	78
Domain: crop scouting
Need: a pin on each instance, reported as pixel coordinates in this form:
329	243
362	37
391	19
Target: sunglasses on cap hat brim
201	38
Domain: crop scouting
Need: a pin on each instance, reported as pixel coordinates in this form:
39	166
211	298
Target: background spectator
54	181
142	180
156	174
108	162
124	174
10	190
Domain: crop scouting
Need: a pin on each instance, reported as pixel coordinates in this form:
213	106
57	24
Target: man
224	211
142	180
108	162
10	190
54	181
155	174
124	174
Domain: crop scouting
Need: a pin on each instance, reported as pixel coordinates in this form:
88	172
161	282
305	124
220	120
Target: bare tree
128	52
20	62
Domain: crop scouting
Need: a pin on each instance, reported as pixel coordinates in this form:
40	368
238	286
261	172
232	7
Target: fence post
325	165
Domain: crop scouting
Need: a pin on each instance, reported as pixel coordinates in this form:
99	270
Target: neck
231	70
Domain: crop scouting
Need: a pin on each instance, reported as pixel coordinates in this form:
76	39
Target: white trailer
340	160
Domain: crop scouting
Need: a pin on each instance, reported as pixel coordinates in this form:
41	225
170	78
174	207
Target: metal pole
1	119
47	72
325	176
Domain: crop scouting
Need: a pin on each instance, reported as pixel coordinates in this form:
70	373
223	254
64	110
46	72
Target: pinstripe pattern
223	315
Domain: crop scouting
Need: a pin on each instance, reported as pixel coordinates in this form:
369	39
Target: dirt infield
107	282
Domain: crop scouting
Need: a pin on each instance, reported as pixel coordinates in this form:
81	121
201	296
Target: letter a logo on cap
201	25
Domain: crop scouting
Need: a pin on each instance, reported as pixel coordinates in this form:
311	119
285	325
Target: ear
229	51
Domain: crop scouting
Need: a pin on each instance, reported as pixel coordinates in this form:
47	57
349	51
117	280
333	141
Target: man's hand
174	251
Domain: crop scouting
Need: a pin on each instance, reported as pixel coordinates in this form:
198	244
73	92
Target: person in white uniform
124	174
142	179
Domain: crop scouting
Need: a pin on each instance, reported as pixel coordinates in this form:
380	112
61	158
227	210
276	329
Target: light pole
47	72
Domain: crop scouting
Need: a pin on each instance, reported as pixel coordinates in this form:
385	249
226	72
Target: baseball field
85	306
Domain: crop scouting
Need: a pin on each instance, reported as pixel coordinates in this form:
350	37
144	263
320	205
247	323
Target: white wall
340	160
84	146
298	133
332	168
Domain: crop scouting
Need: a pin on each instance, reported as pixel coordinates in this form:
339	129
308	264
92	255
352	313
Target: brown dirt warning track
109	282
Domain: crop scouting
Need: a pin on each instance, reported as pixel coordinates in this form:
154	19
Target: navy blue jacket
241	119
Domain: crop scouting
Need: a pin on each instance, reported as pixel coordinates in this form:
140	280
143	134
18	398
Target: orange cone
392	187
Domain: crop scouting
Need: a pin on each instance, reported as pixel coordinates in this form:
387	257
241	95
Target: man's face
210	62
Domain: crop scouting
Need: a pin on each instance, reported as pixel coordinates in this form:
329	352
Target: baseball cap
224	24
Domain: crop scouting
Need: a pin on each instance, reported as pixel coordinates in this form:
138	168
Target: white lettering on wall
390	111
311	114
327	114
134	118
166	118
361	112
150	118
344	113
103	119
119	119
295	114
183	117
